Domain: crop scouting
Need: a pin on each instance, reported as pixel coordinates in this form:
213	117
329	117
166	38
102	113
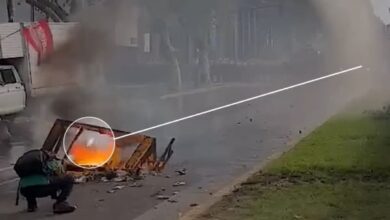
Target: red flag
39	36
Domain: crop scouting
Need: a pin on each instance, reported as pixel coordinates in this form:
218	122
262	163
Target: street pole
10	10
32	12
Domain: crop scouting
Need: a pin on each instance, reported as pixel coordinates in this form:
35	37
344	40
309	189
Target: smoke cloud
83	60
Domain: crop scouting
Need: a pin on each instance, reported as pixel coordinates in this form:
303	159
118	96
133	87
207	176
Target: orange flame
90	156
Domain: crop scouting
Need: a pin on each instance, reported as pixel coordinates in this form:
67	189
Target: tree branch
54	12
57	9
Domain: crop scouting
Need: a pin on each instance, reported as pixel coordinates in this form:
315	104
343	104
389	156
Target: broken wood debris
119	187
137	185
172	201
81	179
120	168
179	183
181	172
119	179
163	197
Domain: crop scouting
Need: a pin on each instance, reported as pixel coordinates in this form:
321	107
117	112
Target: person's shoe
54	196
63	207
32	208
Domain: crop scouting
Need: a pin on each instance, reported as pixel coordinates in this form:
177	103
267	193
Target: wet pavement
215	148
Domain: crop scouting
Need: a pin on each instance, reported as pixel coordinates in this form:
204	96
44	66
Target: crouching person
42	175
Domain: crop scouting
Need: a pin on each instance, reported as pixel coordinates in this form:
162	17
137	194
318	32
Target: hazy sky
22	10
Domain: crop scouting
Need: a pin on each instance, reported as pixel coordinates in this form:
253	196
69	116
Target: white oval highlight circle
89	149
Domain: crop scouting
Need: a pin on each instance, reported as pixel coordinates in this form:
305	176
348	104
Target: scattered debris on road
119	179
81	179
172	201
136	184
181	172
180	183
133	156
118	187
193	204
155	194
162	197
121	173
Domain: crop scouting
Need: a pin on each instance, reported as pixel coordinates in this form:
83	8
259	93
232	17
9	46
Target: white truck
12	91
21	77
20	74
12	97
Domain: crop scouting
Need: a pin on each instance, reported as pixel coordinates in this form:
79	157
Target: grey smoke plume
82	59
355	34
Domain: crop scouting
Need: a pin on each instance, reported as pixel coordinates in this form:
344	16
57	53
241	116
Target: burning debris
131	156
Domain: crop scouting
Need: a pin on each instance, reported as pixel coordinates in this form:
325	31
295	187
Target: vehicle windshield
7	76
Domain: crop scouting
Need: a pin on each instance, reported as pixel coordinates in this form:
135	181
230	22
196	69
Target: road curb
195	212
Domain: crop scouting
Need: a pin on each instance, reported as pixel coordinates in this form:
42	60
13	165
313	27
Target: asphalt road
215	148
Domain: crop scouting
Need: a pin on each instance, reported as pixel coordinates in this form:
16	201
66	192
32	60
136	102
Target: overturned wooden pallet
143	148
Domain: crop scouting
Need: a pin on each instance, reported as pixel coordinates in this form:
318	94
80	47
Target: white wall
11	42
126	25
43	79
40	79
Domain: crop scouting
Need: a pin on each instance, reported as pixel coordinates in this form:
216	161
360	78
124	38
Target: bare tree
163	14
195	18
51	8
198	19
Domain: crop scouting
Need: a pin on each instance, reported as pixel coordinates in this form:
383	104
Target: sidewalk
340	171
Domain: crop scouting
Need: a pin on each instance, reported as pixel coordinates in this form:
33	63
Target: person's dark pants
62	185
